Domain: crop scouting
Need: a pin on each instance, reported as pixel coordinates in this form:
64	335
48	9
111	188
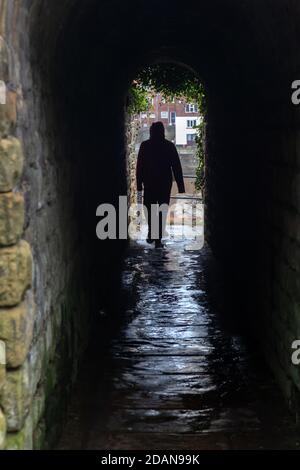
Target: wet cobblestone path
173	375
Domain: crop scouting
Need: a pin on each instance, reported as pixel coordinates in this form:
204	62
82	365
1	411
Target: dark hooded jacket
158	161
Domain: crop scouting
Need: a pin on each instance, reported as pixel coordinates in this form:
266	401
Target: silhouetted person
158	161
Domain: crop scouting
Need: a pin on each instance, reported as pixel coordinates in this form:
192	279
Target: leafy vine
172	82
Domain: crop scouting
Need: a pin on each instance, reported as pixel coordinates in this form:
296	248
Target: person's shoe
150	241
158	244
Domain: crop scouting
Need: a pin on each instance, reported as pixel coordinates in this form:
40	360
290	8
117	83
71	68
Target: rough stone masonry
66	66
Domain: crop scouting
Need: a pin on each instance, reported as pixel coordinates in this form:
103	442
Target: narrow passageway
166	367
174	375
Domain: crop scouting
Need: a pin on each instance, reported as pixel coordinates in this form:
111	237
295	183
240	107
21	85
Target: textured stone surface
11	218
2	375
15	273
11	163
21	440
39	436
2	429
16	397
38	407
16	328
4	60
8	114
2	363
132	128
246	191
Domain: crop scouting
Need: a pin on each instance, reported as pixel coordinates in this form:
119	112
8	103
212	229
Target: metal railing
191	198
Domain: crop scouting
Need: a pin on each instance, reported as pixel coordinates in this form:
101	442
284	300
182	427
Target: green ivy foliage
172	82
200	171
137	99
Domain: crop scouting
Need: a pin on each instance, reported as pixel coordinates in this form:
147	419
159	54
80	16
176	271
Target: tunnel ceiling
225	42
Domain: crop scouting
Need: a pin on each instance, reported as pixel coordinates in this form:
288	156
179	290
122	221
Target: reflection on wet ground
172	375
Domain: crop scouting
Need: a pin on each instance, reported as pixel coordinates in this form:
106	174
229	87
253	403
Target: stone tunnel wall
252	177
263	281
53	272
252	193
43	323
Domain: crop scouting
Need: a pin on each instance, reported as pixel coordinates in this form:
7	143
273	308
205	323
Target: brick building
179	118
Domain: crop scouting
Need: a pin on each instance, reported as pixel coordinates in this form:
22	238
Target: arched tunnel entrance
67	67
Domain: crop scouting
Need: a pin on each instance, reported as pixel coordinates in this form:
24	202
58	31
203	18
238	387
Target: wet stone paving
170	374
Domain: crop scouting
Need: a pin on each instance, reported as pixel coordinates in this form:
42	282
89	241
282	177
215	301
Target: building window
172	118
191	138
191	108
150	101
191	123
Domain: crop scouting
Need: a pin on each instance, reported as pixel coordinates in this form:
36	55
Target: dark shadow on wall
83	79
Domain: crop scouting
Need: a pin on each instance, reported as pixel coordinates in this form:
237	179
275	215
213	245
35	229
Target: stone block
15	273
21	440
16	397
11	163
11	218
4	60
2	430
2	375
16	329
2	363
8	114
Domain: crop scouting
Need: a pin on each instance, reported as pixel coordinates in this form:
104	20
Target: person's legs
148	202
152	203
163	202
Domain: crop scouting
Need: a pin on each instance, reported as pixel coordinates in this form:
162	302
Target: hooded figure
158	161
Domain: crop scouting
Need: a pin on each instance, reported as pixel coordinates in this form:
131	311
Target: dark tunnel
75	67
